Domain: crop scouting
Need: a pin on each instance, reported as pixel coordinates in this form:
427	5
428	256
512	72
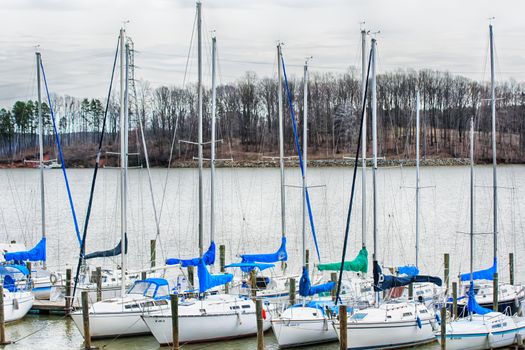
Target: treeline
247	118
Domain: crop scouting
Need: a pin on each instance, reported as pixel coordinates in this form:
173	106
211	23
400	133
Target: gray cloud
78	38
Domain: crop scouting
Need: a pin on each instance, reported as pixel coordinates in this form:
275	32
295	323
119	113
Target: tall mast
281	140
417	177
494	157
363	139
41	146
305	153
471	199
212	158
199	93
373	102
123	151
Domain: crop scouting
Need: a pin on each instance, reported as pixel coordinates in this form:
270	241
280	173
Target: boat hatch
359	316
156	288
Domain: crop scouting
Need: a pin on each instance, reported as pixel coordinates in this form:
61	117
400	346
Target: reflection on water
59	332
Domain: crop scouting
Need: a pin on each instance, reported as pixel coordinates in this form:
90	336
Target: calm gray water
248	220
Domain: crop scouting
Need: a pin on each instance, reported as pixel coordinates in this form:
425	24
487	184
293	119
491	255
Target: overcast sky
77	38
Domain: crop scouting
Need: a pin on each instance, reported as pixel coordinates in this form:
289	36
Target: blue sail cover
487	274
385	282
472	304
279	255
409	270
207	280
208	257
38	253
306	288
110	252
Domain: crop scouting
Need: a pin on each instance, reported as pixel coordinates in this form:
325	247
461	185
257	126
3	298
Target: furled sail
208	258
279	255
384	282
487	274
306	288
38	253
207	280
110	252
409	270
359	264
472	304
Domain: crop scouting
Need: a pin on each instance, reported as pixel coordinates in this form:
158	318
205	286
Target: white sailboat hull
17	305
291	333
203	328
106	325
387	335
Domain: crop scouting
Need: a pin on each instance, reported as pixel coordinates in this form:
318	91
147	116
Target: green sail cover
359	264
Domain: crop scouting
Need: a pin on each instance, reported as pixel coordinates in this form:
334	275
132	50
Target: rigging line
189	51
356	161
301	164
95	172
63	165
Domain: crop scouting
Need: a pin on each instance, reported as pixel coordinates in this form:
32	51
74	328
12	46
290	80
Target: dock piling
174	300
153	252
260	324
253	283
3	340
292	291
343	318
191	272
454	300
446	271
333	278
222	256
85	318
443	328
307	260
68	292
511	268
495	291
99	283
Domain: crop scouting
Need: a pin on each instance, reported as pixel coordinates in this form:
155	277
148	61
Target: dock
51	307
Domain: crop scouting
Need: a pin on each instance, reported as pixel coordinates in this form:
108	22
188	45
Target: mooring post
443	328
99	283
260	324
85	318
447	270
454	300
222	256
28	266
511	268
343	318
143	275
333	278
495	290
3	340
69	302
190	275
292	291
411	291
307	260
253	283
174	301
153	252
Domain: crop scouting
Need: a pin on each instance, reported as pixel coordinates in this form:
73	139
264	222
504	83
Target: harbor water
248	220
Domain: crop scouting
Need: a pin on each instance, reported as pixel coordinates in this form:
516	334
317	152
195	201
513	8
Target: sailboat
481	328
509	296
388	324
120	316
211	316
44	281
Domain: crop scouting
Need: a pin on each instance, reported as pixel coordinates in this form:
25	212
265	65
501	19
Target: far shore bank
274	163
